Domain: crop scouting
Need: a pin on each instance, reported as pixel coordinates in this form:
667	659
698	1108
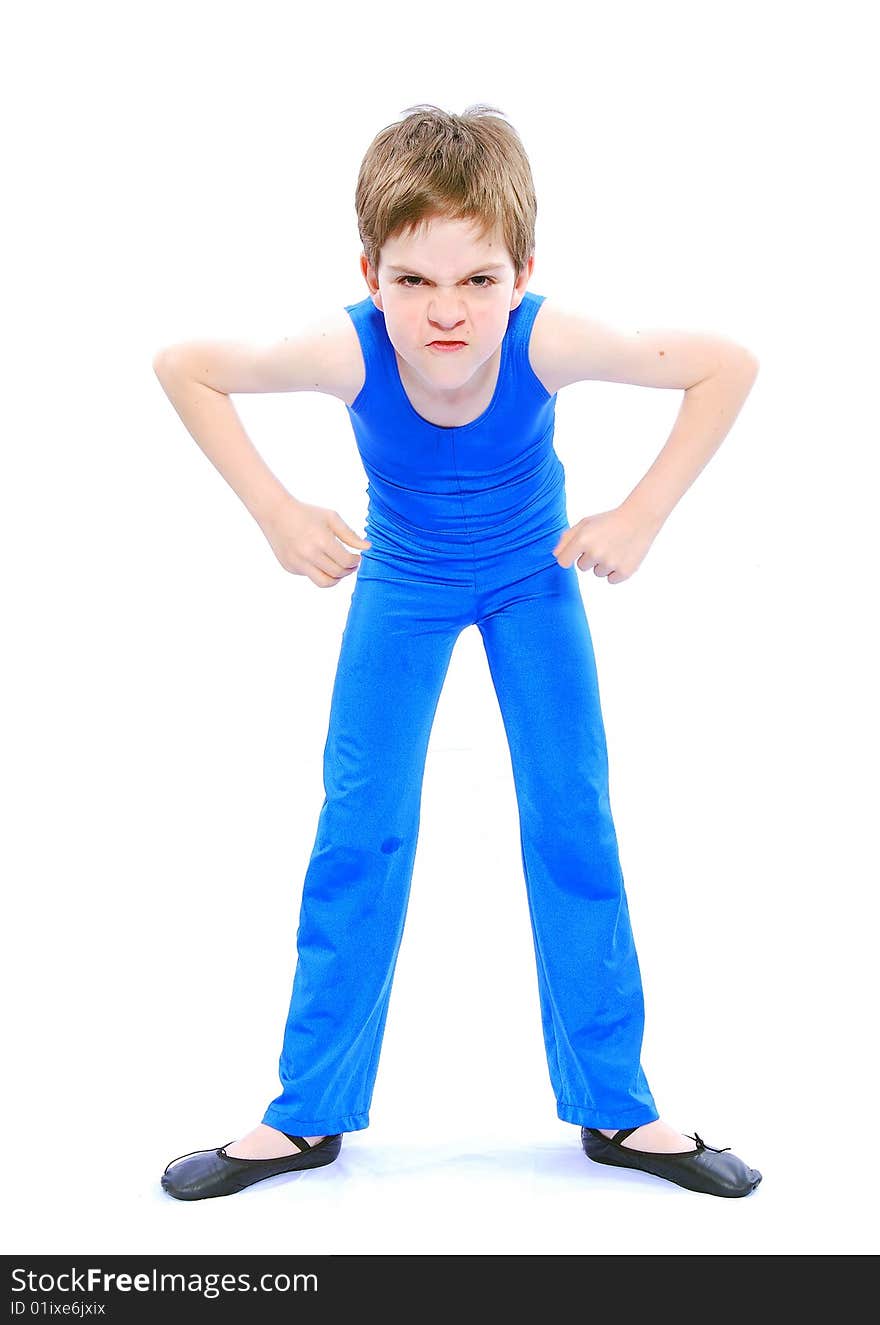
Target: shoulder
568	346
342	359
557	332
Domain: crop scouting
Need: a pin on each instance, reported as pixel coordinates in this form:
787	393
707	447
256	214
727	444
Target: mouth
447	346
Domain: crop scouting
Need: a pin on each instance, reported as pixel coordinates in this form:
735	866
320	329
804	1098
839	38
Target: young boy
449	369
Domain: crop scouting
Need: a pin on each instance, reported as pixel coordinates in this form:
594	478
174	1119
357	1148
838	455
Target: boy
449	370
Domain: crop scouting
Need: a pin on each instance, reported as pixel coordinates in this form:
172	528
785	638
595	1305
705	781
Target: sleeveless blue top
446	502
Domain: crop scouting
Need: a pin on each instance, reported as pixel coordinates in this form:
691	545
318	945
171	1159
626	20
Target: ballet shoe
204	1173
703	1169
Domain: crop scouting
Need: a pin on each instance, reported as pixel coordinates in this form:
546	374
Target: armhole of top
356	320
525	342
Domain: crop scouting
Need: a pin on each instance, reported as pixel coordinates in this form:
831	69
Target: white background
188	169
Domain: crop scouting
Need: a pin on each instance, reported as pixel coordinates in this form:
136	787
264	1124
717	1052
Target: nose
445	313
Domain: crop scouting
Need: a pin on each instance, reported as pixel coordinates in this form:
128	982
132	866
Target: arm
198	377
212	420
708	411
716	375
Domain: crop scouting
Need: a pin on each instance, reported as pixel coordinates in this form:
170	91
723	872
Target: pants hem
616	1118
349	1122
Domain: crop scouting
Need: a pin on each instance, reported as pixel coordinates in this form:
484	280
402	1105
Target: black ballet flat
203	1173
704	1169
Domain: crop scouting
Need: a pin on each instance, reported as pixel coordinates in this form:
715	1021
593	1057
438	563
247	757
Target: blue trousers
403	621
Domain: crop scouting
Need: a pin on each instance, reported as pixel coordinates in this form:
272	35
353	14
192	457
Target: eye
402	280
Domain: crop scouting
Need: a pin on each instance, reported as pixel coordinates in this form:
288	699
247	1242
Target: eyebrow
410	271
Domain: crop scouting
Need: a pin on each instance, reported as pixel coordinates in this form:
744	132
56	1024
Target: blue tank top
490	485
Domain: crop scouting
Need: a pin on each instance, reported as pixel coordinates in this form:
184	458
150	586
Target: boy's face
442	282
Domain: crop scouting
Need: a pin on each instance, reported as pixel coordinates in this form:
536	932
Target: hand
614	543
311	540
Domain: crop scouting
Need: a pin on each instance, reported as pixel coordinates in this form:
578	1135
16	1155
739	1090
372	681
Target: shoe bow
701	1144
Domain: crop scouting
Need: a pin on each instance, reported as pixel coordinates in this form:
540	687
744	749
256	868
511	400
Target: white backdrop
188	169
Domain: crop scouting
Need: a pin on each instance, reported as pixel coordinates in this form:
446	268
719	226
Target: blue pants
404	618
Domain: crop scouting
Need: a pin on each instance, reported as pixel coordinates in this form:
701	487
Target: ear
372	281
522	281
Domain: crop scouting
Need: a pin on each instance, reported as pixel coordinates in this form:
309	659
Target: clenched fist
313	541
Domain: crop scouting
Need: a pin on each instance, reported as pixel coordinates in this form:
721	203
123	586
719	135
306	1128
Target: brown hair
468	166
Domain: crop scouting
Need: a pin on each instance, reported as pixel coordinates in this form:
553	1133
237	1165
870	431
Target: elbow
744	363
751	361
160	361
166	361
